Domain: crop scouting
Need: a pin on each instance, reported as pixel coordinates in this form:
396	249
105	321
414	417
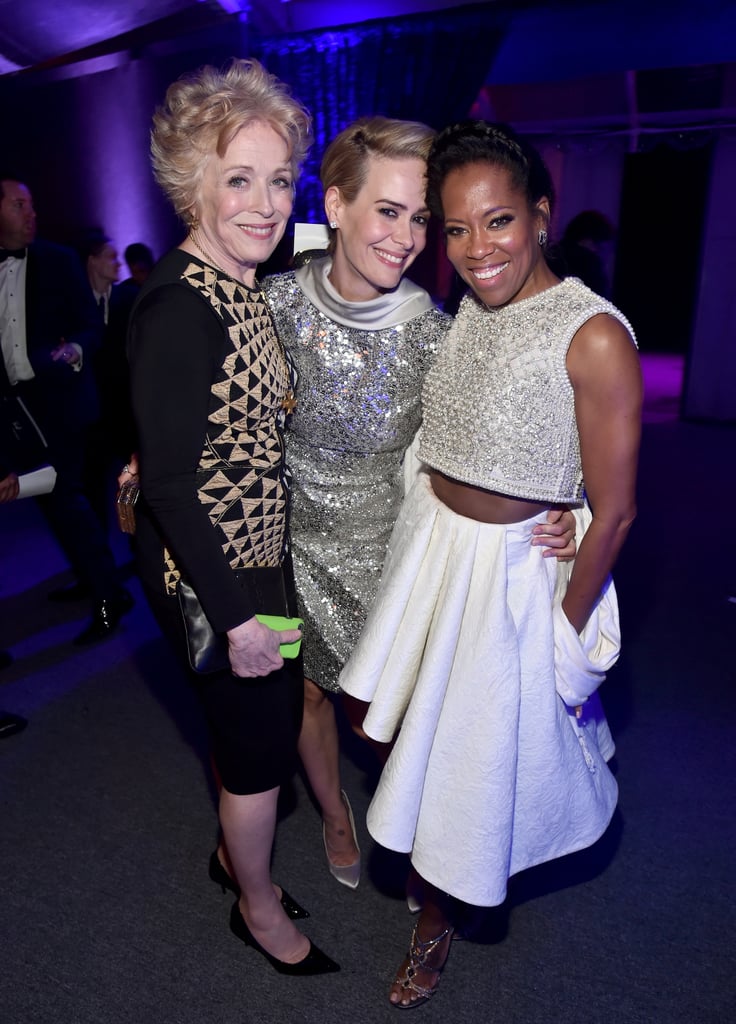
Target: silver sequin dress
360	370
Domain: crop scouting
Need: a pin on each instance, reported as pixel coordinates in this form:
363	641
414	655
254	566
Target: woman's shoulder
597	315
438	316
170	311
286	301
430	326
171	282
168	269
276	286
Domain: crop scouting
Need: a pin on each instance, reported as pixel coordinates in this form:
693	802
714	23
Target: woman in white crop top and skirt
480	659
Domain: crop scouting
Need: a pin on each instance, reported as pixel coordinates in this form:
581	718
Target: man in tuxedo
49	329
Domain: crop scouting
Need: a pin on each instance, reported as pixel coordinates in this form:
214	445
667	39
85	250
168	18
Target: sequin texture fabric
499	408
358	410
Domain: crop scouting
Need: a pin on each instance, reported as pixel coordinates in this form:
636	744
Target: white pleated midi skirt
463	653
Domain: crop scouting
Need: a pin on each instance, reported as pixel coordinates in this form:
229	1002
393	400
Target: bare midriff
484	506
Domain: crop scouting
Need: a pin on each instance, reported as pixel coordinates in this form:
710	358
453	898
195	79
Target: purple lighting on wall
241	7
114	140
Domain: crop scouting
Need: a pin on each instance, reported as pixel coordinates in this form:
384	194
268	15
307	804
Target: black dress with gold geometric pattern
209	379
241	476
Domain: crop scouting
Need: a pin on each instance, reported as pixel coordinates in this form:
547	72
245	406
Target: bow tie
18	254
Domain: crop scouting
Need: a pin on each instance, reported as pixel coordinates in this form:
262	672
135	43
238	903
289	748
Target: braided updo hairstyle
347	158
480	142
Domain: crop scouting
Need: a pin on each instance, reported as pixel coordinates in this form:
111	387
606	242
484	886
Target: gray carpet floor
108	819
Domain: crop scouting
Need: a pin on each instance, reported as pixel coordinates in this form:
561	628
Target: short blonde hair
345	163
202	113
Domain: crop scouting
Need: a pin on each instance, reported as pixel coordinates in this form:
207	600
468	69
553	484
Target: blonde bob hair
345	163
202	113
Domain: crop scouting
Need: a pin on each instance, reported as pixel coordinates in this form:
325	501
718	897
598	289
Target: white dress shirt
13	319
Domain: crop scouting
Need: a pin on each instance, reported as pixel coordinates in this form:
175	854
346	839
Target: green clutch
280	623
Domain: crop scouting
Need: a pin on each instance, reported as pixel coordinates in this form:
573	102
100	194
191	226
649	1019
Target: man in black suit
110	365
49	329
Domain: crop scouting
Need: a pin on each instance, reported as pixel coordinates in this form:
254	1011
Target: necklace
193	236
289	401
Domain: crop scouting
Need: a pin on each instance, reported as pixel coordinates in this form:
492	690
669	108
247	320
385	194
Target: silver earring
542	237
333	225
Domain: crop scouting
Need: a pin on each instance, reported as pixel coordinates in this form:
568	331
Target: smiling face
245	201
492	235
382	232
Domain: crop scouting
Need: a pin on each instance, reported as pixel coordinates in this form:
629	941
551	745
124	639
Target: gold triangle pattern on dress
241	479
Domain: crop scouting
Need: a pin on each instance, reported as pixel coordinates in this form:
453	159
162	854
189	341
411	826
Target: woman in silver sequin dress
484	657
362	337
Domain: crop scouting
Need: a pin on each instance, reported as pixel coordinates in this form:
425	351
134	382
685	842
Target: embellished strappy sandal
419	954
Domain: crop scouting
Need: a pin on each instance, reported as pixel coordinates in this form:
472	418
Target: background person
101	261
586	249
50	332
211	387
140	262
483	656
113	436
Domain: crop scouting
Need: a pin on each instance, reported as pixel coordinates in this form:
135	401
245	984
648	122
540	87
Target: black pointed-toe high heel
291	907
220	877
315	962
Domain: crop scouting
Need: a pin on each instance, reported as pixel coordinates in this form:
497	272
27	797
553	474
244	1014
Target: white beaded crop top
499	408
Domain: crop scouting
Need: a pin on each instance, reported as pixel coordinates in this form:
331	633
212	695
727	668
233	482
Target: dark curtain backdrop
427	67
79	135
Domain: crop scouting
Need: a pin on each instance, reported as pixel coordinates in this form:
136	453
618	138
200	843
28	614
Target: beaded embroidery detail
499	408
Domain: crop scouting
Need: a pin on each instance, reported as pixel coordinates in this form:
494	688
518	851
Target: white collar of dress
389	310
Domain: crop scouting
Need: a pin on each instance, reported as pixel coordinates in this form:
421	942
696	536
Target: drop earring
542	237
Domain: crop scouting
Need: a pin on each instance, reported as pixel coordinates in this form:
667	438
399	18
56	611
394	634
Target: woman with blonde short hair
212	388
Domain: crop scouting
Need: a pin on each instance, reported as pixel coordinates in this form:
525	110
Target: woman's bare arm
603	365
